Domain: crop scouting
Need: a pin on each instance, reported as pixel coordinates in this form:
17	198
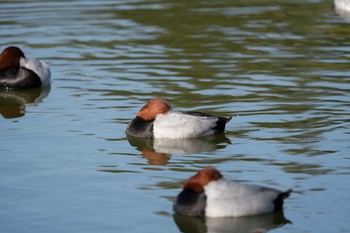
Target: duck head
154	107
10	57
202	178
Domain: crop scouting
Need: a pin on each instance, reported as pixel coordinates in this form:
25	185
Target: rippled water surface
282	68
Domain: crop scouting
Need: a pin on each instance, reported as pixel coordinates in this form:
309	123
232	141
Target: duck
208	194
19	72
157	120
343	5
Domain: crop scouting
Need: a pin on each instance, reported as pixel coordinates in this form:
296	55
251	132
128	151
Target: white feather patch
342	4
181	125
39	67
227	198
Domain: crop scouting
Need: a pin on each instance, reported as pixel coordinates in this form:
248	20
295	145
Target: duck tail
278	202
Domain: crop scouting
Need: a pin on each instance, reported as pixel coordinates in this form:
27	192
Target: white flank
181	125
39	67
227	198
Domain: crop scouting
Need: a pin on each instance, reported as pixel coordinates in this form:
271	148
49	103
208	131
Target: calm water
282	68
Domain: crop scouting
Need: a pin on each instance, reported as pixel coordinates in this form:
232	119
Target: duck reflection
158	151
14	102
251	224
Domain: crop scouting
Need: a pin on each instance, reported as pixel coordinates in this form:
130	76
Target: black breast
190	203
140	128
19	79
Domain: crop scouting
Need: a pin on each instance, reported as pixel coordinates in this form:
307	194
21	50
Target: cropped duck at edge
157	120
343	5
208	194
19	72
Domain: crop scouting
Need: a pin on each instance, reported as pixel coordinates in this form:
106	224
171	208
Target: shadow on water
256	224
158	151
14	102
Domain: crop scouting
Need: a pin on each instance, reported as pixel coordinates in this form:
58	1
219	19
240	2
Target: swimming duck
19	72
208	194
157	120
343	5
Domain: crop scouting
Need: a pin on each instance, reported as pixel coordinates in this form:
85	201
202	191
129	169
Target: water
280	67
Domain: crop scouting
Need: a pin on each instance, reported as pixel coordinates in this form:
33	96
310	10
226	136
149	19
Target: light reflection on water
245	224
281	68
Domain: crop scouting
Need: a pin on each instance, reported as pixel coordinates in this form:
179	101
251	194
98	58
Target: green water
281	68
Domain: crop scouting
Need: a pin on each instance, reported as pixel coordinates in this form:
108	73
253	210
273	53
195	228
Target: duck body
18	72
228	198
343	5
208	194
157	120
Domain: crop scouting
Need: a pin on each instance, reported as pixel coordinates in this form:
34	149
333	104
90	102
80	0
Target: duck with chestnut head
19	72
208	194
157	120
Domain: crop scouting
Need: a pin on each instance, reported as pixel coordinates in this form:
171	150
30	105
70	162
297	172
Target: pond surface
281	68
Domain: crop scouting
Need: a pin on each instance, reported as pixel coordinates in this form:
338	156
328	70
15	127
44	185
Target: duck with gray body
157	120
19	72
208	194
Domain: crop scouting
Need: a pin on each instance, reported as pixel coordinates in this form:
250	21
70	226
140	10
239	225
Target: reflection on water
281	66
251	224
14	102
159	150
